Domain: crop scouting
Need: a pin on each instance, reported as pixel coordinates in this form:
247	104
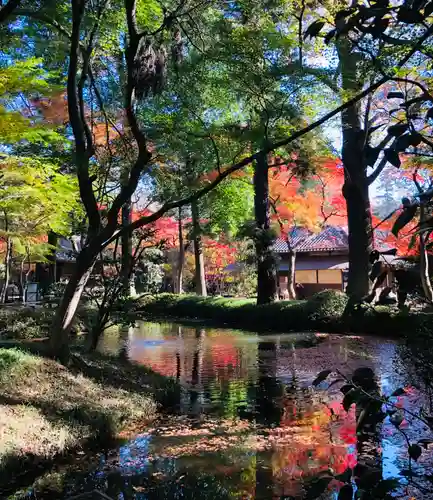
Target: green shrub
24	323
327	305
20	324
244	313
324	311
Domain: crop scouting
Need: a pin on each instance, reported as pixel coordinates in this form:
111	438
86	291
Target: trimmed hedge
320	311
324	311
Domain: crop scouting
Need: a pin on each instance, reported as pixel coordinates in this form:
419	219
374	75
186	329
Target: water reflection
247	423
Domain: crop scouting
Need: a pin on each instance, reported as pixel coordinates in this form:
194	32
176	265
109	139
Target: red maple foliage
313	203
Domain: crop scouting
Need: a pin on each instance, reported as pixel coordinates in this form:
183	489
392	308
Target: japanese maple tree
309	203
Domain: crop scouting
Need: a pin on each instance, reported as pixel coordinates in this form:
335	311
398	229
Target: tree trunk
360	238
7	261
266	263
200	279
181	259
23	282
424	261
355	189
51	258
128	287
59	339
291	275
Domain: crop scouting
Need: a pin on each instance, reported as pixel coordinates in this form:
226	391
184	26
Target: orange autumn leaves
310	203
54	110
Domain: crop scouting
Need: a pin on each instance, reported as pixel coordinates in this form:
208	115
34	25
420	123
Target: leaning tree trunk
181	257
424	261
355	189
200	279
59	339
8	261
266	263
291	275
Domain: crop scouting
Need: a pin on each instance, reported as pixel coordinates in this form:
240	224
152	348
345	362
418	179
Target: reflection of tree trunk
368	434
291	275
268	412
178	360
424	261
269	388
8	262
264	476
178	366
196	370
266	264
200	280
181	259
198	354
124	335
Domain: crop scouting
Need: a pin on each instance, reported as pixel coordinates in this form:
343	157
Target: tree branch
8	9
131	51
382	164
77	120
246	161
45	19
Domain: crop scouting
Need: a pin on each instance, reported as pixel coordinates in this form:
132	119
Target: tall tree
364	62
96	33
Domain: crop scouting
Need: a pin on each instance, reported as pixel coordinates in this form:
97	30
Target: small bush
327	305
21	324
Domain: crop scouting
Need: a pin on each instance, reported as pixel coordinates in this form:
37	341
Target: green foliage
149	274
241	313
28	323
327	305
11	360
19	82
35	198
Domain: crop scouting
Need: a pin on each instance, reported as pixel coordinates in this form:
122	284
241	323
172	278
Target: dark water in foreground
248	424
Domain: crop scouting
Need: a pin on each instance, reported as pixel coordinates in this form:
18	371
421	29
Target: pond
248	424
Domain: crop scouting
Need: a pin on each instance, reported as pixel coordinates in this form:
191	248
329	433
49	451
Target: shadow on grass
121	373
77	397
20	471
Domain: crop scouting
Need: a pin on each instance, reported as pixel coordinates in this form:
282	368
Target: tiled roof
329	239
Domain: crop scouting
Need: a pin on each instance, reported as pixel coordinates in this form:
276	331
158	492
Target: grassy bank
48	411
324	311
20	322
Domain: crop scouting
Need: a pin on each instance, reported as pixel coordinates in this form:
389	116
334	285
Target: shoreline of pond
53	414
324	312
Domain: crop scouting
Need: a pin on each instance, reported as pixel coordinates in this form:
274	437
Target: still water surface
247	422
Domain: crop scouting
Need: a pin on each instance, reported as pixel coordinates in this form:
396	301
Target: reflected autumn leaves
245	422
243	411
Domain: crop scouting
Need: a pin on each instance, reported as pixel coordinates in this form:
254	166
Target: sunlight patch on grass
45	409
